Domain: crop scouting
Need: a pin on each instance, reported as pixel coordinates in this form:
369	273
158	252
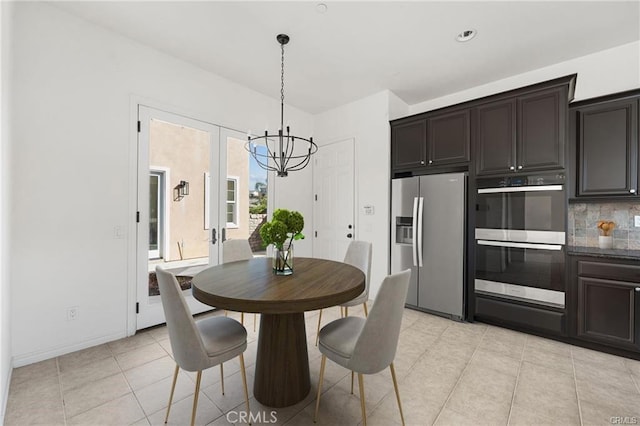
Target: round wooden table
282	361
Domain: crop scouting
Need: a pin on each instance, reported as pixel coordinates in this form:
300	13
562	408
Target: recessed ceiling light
321	8
466	35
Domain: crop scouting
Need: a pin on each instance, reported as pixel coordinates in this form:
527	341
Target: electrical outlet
636	221
72	313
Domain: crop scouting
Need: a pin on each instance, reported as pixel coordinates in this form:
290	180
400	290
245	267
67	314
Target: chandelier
279	153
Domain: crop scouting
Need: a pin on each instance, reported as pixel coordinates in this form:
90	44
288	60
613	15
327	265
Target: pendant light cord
282	89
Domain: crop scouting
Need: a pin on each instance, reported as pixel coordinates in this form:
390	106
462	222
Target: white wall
367	121
601	73
6	10
72	149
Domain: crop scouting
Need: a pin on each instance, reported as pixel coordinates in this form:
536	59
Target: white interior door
333	212
179	169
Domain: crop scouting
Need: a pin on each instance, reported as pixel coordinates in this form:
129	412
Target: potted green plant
285	227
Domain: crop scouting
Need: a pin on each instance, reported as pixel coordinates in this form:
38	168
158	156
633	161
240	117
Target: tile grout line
515	387
633	378
575	381
64	410
461	375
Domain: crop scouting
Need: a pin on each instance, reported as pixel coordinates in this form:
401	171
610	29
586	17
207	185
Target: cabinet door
541	130
409	145
607	311
448	138
496	137
608	148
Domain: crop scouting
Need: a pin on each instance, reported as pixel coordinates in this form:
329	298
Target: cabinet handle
430	161
633	191
519	167
422	162
637	289
512	168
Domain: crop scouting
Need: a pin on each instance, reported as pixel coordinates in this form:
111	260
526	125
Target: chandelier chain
282	75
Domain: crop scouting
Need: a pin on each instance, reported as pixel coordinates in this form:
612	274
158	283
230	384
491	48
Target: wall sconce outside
181	190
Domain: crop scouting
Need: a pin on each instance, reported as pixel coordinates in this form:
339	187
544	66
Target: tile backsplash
584	217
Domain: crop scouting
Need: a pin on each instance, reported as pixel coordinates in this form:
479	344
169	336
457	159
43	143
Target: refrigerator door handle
420	220
414	231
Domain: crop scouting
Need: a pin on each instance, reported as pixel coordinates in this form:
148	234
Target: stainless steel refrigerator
428	234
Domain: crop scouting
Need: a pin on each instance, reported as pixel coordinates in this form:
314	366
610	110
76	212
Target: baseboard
30	358
5	396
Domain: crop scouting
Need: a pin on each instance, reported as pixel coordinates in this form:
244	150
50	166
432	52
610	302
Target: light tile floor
448	373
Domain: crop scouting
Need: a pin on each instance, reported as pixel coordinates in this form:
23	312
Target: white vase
605	241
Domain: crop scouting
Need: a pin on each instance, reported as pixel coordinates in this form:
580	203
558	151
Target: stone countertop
607	253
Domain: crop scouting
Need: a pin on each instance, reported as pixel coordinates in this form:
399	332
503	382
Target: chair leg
362	405
242	318
195	398
225	312
322	363
254	322
244	382
318	331
395	385
173	387
341	312
222	378
352	374
366	311
346	311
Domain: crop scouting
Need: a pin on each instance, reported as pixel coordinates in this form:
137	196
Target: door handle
349	235
214	240
224	234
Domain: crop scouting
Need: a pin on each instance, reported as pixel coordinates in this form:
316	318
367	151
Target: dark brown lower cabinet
608	303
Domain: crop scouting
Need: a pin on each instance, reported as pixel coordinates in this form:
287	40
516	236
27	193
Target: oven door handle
520	189
554	247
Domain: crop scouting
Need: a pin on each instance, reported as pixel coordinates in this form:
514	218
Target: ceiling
355	49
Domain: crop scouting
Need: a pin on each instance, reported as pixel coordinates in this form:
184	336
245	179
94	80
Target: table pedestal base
282	361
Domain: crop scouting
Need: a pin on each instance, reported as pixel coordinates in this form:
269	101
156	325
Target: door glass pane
246	195
183	153
154	214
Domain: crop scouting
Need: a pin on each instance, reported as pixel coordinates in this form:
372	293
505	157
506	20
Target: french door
180	170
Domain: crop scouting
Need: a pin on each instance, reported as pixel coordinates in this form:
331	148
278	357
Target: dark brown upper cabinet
606	136
523	133
409	145
496	137
448	138
542	118
438	139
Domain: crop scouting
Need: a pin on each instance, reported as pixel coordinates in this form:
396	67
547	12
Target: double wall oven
520	238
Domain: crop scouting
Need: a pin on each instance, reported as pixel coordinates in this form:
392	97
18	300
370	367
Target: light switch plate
636	221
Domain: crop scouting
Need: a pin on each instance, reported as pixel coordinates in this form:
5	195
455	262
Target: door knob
350	226
637	289
349	235
633	191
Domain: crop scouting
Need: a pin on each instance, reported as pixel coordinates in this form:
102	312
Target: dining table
282	361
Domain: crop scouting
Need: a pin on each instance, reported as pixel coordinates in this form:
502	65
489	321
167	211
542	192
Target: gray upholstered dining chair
233	251
358	255
198	345
367	346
